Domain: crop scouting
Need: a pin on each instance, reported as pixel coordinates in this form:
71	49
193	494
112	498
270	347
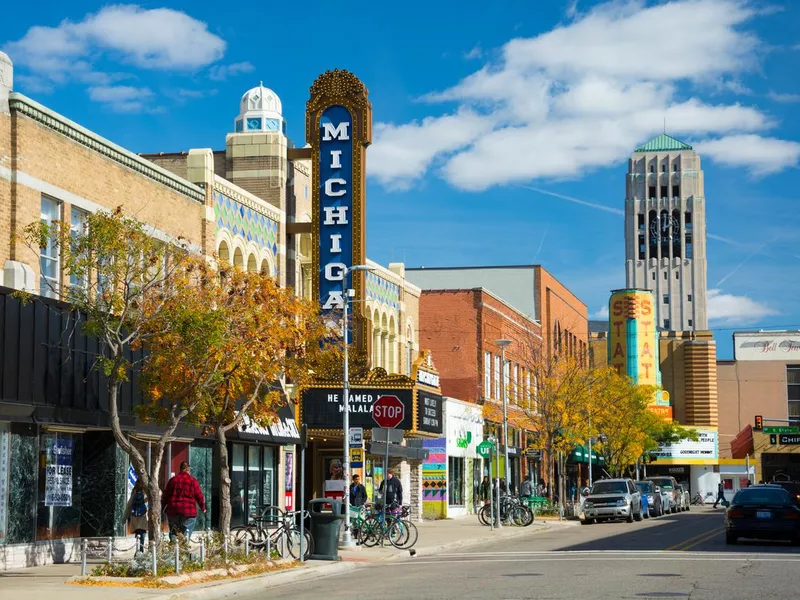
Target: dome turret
260	110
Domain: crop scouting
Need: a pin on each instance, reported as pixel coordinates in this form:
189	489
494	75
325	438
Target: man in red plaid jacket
181	498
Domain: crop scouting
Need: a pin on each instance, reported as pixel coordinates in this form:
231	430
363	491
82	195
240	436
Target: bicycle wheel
293	543
411	535
370	533
397	532
240	534
485	515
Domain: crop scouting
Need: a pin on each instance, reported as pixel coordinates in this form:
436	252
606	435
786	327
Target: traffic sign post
388	412
485	450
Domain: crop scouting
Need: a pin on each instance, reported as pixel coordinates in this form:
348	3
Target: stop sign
388	412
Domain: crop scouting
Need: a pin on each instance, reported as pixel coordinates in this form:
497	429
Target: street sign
388	412
395	436
356	436
485	449
356	458
788	439
782	429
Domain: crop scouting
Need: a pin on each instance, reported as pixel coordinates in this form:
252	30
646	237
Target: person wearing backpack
136	514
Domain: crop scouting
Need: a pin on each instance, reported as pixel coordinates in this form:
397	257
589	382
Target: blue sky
501	130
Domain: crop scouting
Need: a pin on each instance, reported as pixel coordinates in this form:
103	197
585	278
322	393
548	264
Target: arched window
376	339
652	231
385	343
409	349
238	258
223	252
663	228
252	263
265	267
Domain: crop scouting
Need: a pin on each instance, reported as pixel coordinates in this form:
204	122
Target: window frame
50	286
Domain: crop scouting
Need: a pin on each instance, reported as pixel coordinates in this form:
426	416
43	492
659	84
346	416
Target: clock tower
665	232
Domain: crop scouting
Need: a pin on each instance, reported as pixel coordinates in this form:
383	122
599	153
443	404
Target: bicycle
512	512
285	534
699	500
379	525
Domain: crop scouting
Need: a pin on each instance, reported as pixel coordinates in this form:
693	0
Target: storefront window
237	485
253	480
455	480
58	512
270	492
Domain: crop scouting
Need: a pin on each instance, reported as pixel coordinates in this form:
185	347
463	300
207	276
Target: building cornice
60	124
251	201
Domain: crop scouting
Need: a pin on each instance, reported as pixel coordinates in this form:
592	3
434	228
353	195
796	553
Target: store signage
429	412
429	379
787	439
779	429
388	412
356	458
465	441
336	204
58	471
283	429
704	448
778	345
485	449
323	407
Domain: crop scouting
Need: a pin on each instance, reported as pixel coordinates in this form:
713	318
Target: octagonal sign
388	412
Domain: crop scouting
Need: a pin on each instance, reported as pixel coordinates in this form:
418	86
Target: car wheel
673	509
638	516
587	521
646	514
730	538
629	518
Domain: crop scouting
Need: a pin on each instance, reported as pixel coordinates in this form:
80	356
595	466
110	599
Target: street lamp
347	540
503	344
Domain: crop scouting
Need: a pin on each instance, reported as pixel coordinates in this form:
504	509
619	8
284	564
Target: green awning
580	454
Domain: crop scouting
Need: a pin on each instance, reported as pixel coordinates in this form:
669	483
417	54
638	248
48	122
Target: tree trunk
224	483
154	496
550	473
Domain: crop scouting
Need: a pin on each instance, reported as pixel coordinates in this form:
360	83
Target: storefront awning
580	454
398	451
282	431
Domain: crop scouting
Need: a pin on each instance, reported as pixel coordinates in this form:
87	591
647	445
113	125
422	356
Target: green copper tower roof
663	143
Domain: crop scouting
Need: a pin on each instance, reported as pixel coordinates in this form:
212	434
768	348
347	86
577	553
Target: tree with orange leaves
226	345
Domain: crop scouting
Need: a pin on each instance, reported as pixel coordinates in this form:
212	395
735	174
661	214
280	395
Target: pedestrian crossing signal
759	423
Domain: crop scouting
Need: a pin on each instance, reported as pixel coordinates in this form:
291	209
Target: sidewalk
45	583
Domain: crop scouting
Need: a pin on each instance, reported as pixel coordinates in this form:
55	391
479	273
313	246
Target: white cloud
731	309
761	155
222	72
572	9
787	98
601	314
583	95
475	53
123	98
159	38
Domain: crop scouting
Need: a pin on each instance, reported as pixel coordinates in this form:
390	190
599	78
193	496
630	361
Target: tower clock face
660	229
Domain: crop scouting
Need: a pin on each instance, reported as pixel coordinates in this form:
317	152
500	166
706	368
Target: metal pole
497	470
302	502
110	549
491	496
505	419
203	550
747	467
178	558
155	560
590	451
83	557
346	538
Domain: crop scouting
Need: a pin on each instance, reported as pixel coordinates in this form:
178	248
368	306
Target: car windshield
610	487
644	486
762	496
663	483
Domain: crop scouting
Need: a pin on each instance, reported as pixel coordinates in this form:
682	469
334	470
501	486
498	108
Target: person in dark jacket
393	489
181	498
358	493
720	494
485	490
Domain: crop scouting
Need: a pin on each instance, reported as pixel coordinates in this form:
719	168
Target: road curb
224	589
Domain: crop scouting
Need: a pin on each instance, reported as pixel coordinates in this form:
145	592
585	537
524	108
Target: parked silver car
669	489
612	499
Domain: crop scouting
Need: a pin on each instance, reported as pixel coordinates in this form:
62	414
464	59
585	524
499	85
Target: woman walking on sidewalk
136	514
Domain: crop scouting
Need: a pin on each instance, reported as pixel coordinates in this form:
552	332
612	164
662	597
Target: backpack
138	506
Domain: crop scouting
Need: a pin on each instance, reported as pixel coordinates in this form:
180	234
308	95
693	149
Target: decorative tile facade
247	223
380	290
434	479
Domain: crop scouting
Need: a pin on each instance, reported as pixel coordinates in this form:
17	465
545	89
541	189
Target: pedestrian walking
485	490
181	498
136	514
526	487
503	487
720	494
358	493
393	493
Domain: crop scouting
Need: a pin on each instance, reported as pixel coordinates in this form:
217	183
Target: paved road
677	556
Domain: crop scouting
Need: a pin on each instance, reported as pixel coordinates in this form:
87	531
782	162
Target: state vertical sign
338	129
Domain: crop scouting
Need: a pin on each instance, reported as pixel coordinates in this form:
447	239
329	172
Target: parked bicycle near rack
274	528
513	511
376	525
699	500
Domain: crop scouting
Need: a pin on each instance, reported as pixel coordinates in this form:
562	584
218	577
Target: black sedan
762	512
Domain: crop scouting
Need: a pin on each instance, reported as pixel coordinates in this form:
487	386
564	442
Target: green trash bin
326	522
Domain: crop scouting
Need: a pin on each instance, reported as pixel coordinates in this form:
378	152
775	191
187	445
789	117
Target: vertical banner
288	494
5	457
58	472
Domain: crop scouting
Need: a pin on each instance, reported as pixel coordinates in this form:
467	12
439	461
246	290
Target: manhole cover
522	575
660	575
662	595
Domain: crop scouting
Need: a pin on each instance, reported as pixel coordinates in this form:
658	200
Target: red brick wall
559	305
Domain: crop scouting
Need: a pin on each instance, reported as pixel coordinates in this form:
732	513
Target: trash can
326	522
